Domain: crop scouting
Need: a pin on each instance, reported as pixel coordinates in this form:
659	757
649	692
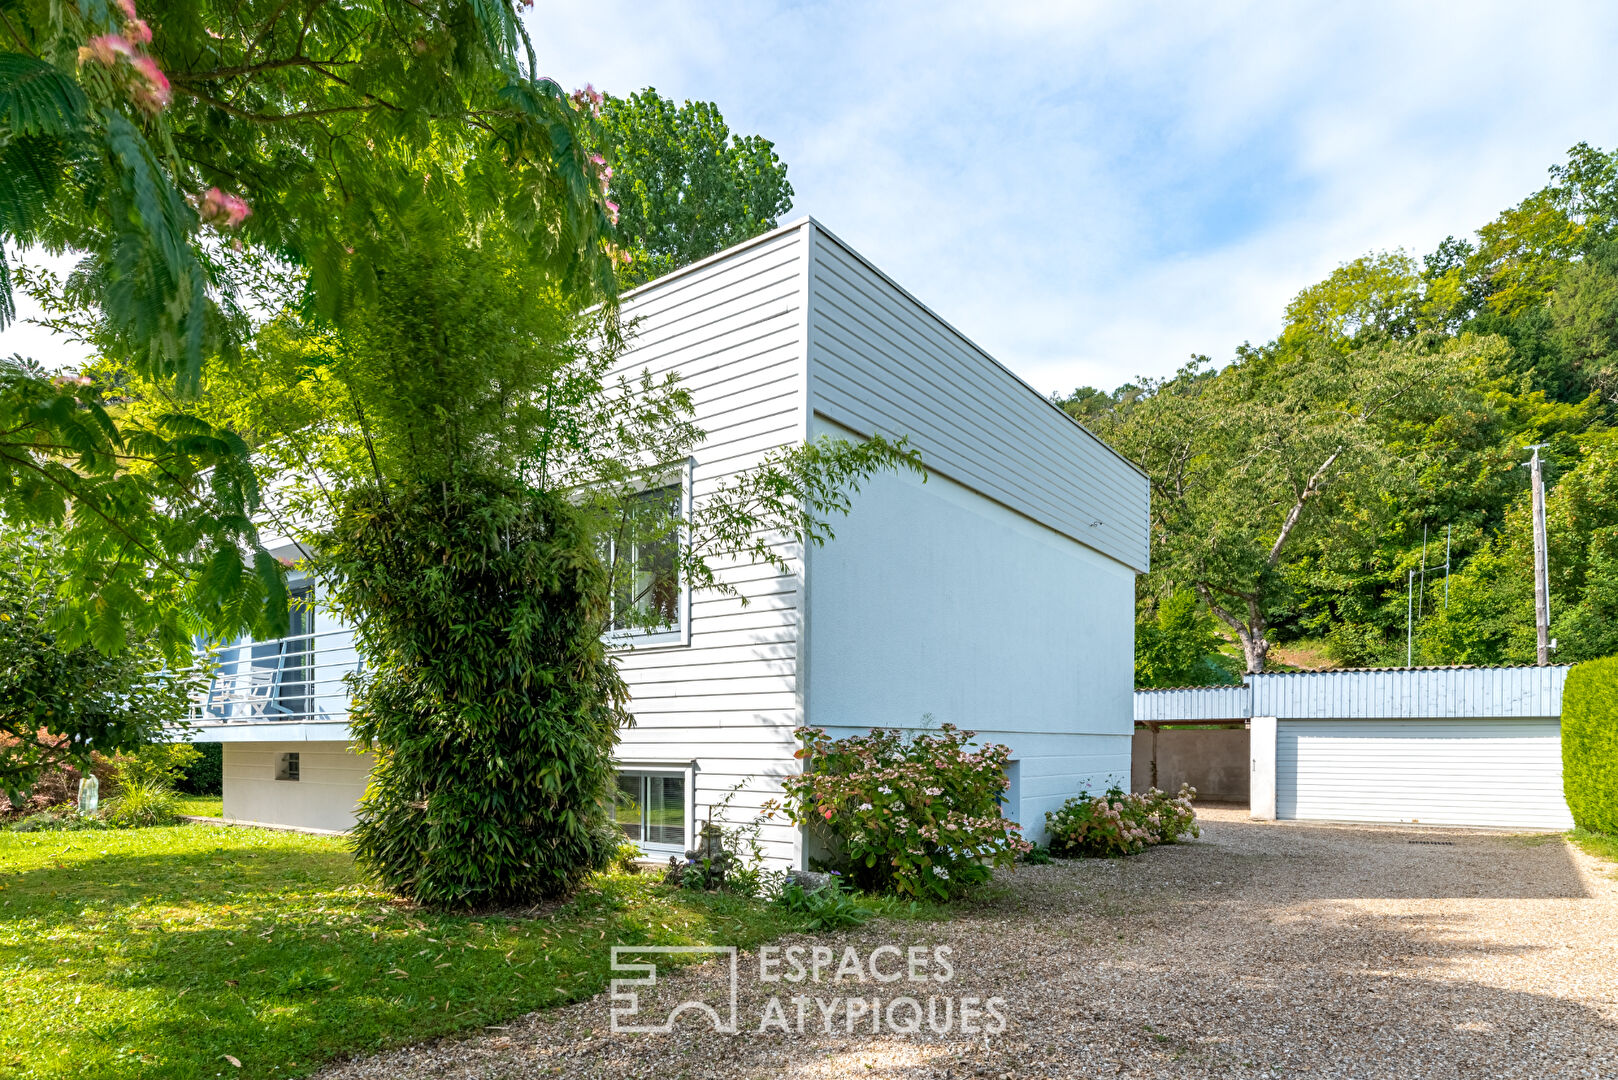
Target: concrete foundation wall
331	779
1212	760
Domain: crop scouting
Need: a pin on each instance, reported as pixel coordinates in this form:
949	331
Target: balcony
297	679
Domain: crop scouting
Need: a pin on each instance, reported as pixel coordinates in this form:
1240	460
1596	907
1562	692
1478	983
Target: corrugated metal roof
1413	693
1193	703
1367	694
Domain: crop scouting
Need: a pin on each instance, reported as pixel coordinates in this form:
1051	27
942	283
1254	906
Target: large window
650	809
644	554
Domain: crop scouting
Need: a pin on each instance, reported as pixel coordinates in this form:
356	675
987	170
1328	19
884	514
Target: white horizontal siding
880	362
331	780
725	704
1485	772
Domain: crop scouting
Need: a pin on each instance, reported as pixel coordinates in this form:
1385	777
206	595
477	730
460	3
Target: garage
1498	772
1471	746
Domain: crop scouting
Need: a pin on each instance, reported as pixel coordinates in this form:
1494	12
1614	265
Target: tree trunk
1252	633
1256	647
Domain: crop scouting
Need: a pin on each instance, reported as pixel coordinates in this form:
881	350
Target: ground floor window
650	808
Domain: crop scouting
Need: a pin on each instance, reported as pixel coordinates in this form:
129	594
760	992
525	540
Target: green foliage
1590	745
1489	622
61	819
60	701
626	858
1288	444
729	855
149	518
827	908
156	149
142	804
157	763
1038	855
206	774
1179	646
464	440
688	187
112	152
1120	823
487	691
1296	489
917	815
1601	845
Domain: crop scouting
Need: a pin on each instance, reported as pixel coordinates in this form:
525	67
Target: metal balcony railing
292	679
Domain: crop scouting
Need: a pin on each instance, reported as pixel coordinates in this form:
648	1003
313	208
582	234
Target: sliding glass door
650	809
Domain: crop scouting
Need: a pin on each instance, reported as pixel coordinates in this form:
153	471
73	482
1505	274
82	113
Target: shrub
826	908
59	701
142	804
157	763
487	692
1038	855
1120	824
206	774
57	819
1590	745
626	858
919	816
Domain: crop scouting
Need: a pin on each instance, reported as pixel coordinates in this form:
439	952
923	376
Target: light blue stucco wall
935	600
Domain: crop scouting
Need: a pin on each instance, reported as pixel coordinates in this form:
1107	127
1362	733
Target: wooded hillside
1293	487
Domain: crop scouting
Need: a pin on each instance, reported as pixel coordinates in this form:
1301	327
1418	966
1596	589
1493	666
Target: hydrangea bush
1121	824
918	815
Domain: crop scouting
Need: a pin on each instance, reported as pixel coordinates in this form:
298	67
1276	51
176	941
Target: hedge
1590	744
206	775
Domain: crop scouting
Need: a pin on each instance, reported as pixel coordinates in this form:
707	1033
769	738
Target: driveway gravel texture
1260	950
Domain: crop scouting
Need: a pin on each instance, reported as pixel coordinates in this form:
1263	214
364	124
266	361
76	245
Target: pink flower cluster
149	89
604	178
587	98
224	210
920	813
1120	823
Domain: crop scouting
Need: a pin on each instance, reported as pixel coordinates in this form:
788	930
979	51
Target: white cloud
1094	191
1097	191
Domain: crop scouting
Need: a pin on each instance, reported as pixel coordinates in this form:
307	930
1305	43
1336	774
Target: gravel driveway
1260	950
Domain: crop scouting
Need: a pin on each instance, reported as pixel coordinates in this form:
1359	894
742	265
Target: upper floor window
648	598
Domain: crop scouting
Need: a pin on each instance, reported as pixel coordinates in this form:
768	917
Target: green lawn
157	952
202	805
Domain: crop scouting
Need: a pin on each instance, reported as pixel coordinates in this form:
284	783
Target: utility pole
1410	625
1447	530
1542	596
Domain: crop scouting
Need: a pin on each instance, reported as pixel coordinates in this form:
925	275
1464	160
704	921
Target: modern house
998	594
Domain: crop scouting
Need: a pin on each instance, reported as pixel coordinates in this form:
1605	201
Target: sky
1094	192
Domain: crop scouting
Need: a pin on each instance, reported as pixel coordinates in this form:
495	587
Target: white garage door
1436	772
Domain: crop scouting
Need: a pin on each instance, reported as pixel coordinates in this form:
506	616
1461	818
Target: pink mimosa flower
138	31
127	7
155	95
220	208
612	211
106	49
